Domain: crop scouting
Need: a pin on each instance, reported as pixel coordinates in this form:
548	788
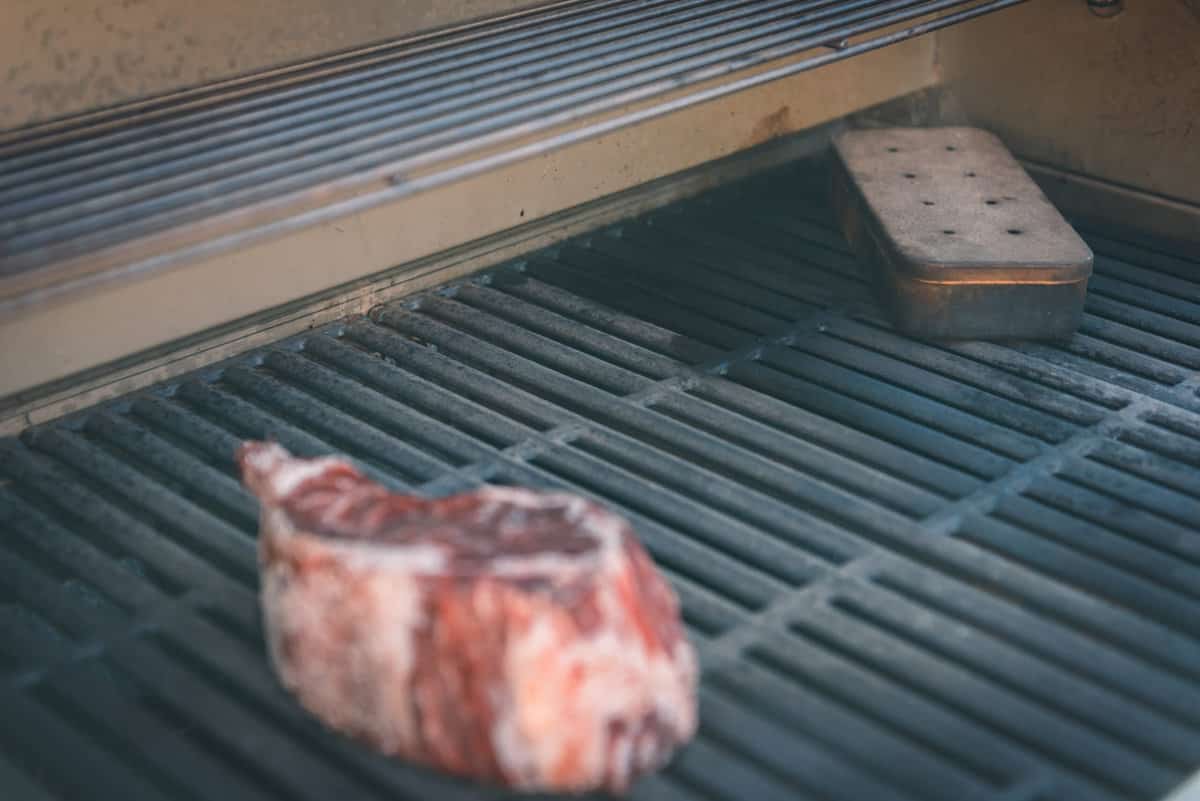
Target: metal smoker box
964	242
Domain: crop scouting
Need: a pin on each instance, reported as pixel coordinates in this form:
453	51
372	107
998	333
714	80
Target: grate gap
845	527
614	252
650	337
597	275
240	571
693	787
1016	445
216	491
1142	278
1174	424
186	427
326	439
541	350
1121	357
929	453
744	599
228	755
515	374
1115	297
700	624
1102	524
932	473
1098	393
467	381
104	740
1174	473
646	508
864	488
795	726
731	223
991	407
743	270
1162	511
618	352
304	731
922	641
982	770
178	487
481	434
374	423
242	631
873	665
1093	630
143	416
1071	416
1151	344
915	596
73	519
721	746
22	626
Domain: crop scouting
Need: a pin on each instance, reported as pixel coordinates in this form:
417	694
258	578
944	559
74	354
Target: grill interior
912	571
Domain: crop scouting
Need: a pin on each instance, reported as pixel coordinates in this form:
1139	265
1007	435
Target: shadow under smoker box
963	242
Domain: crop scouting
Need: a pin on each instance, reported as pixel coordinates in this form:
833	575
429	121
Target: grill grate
912	571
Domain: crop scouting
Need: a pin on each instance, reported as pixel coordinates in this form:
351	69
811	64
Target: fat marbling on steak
504	634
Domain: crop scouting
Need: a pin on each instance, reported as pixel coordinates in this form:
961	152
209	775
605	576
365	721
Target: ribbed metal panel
912	571
409	115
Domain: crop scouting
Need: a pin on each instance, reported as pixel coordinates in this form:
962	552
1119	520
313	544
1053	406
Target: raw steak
505	635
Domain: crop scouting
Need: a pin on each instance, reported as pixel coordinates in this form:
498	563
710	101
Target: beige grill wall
60	58
1116	99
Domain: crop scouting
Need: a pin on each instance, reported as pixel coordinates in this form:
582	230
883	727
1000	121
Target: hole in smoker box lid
951	147
1014	231
948	231
970	175
910	175
893	150
991	202
927	202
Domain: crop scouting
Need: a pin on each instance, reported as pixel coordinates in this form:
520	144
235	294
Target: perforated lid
953	205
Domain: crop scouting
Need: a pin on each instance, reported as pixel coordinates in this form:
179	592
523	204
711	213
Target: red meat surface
506	635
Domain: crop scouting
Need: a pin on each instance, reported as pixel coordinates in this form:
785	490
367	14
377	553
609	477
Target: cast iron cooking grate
913	571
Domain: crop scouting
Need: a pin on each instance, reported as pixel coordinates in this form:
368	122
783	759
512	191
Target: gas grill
911	569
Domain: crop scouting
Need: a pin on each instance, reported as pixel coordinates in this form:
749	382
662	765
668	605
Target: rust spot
774	125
